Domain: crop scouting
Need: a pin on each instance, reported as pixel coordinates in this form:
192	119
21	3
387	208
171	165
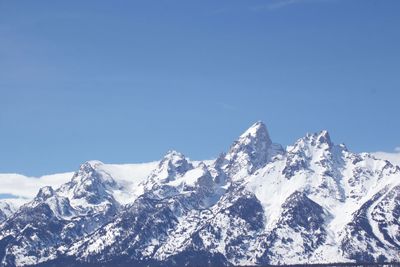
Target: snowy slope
88	200
257	204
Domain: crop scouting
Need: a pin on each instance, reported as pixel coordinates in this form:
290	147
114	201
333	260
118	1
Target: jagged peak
87	168
258	129
317	139
174	159
251	151
324	137
45	193
89	182
254	138
92	164
173	164
173	155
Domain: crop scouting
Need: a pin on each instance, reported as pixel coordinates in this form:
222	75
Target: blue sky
125	81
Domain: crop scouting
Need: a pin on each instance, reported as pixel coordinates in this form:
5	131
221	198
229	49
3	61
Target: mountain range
256	204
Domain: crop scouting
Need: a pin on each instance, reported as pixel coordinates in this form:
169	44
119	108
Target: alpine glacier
257	204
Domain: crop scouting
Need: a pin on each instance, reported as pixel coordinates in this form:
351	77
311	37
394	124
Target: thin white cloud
18	189
24	187
393	157
283	3
278	4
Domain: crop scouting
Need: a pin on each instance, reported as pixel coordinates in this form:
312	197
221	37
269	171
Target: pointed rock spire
324	137
255	141
251	151
257	131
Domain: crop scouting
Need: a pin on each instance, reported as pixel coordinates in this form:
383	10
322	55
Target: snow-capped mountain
6	210
257	204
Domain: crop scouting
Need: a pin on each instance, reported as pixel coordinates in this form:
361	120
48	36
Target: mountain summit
251	151
257	204
258	131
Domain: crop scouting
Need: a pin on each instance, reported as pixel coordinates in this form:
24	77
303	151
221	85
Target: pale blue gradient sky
124	81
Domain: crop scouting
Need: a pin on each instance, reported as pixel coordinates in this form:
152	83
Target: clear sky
125	81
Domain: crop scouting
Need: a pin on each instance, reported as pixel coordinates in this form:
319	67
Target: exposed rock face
258	204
